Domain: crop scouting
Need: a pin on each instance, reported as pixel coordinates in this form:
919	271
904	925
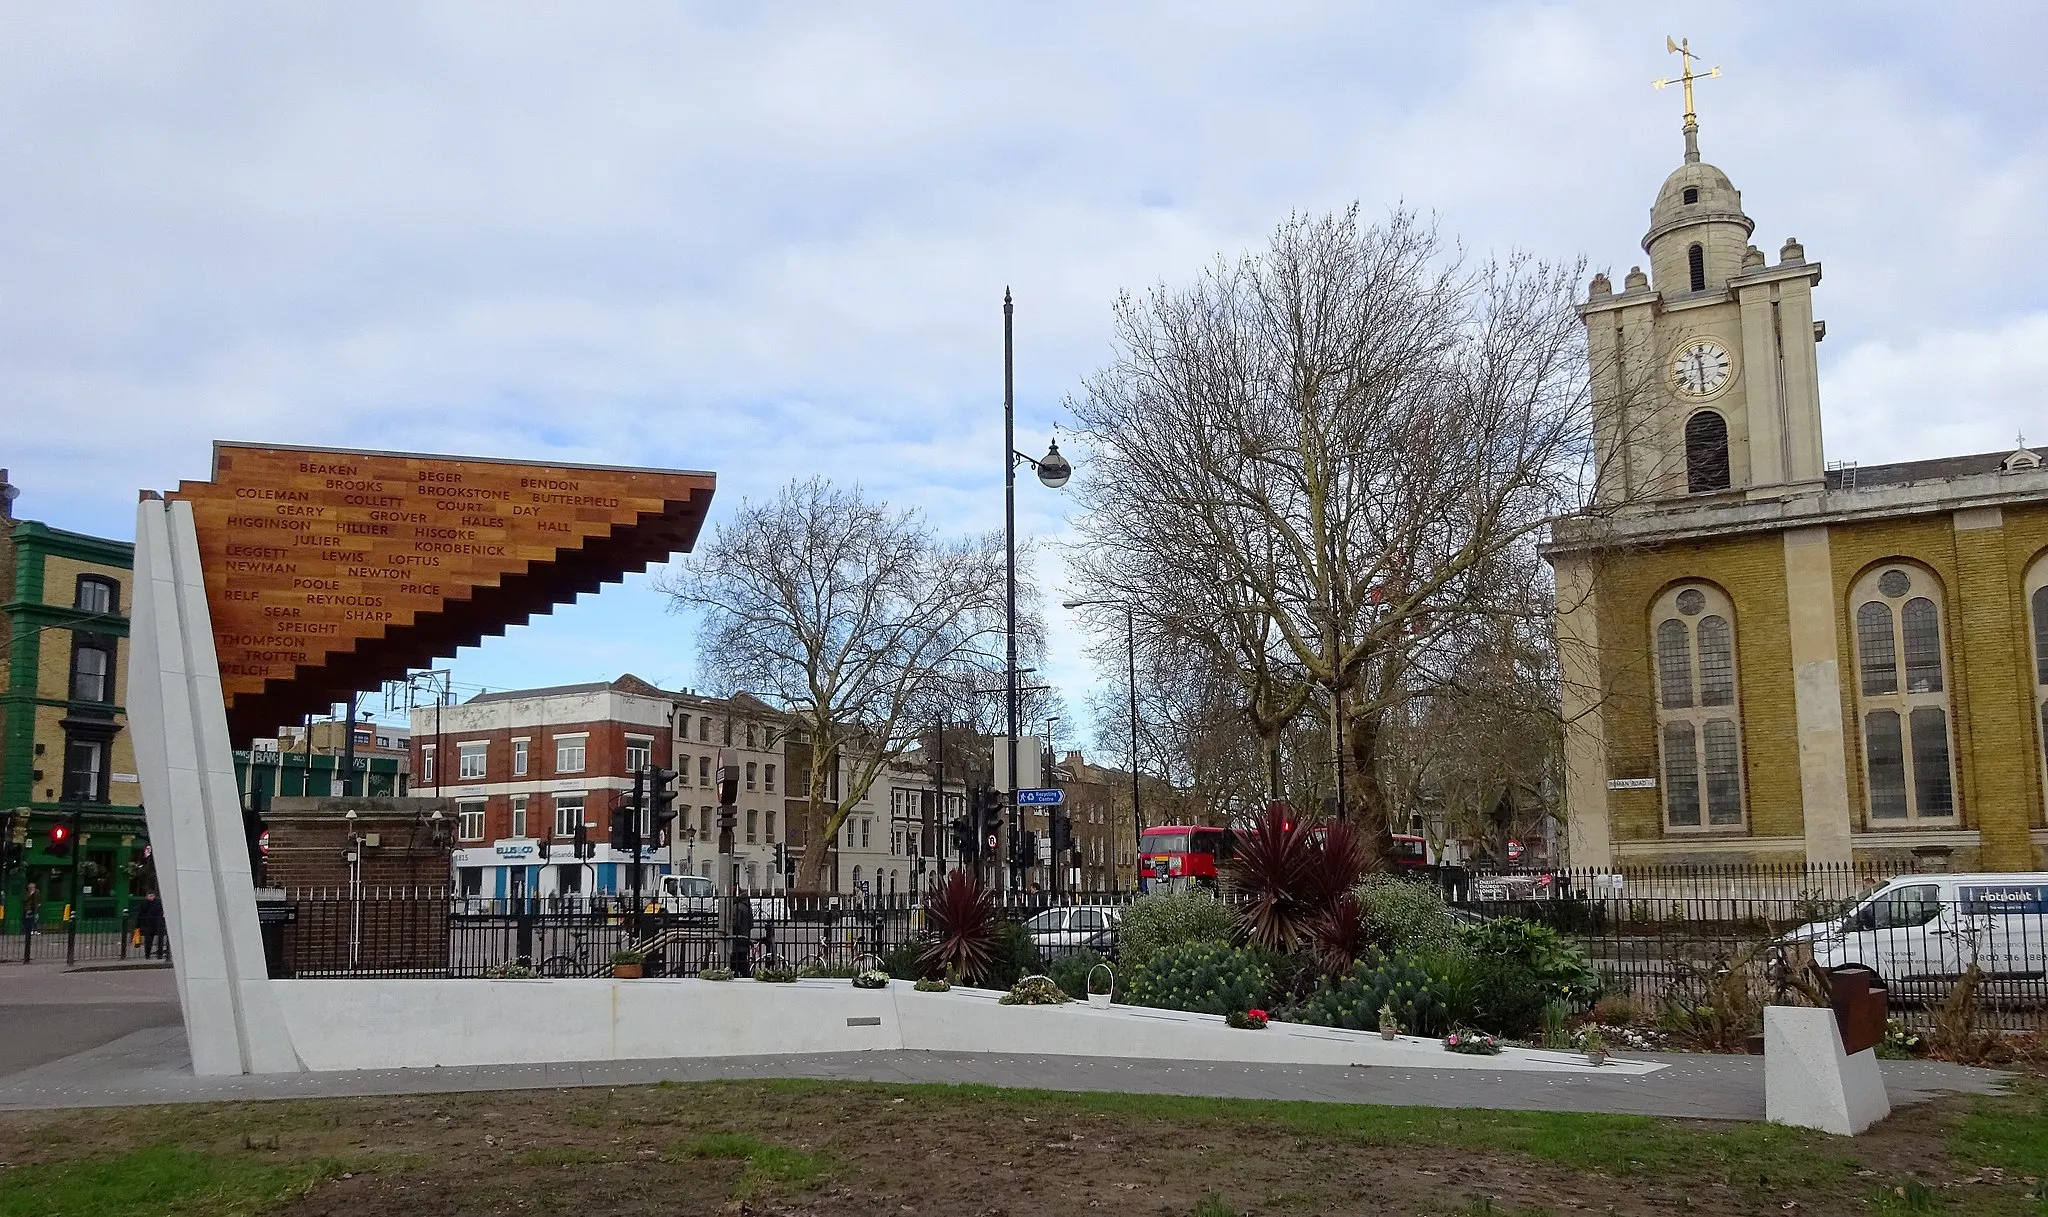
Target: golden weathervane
1683	49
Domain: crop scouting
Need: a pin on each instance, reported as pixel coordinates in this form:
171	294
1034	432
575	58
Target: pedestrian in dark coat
150	920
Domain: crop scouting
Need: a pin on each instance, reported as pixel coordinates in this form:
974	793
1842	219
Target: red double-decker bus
1175	857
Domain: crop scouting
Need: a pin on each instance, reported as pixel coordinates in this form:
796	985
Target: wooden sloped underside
627	549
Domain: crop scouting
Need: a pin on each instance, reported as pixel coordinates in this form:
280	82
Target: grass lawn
831	1148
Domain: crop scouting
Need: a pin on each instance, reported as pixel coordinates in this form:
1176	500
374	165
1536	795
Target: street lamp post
1131	659
1053	470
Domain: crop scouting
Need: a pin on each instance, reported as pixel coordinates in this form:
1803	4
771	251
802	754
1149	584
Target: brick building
367	878
522	770
1768	658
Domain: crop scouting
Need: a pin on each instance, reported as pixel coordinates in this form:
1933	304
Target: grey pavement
136	1054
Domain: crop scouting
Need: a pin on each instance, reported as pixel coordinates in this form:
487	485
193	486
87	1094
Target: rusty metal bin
1859	1005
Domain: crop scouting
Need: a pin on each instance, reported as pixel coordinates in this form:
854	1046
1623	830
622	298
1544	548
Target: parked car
1062	931
1919	932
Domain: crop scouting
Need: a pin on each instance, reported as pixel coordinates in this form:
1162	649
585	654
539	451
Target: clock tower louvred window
1706	452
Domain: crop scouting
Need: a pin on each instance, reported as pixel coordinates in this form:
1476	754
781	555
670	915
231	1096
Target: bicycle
577	964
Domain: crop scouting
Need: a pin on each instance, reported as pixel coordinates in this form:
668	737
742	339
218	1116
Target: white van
1920	932
691	895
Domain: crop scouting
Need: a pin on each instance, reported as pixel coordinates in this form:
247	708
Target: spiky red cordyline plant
1276	871
962	921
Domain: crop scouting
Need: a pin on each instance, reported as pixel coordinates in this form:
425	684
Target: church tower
1704	375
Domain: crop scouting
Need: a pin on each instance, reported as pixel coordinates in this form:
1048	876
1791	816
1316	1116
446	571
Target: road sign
1040	798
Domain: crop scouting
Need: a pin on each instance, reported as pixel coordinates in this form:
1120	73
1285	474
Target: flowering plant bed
1034	991
1246	1020
775	976
934	984
871	978
1471	1043
715	974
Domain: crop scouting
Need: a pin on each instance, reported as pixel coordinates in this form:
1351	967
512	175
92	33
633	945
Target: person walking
31	910
150	920
742	936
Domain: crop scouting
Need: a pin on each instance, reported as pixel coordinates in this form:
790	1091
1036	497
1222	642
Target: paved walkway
113	1039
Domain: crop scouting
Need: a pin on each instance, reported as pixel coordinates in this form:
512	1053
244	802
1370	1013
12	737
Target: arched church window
1692	195
2037	603
1902	691
1699	724
1706	452
1696	264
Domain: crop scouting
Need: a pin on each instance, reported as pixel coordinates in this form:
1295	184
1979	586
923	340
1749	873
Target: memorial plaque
329	570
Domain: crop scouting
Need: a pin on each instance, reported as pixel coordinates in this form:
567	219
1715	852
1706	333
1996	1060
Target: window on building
703	771
470	760
753	822
704	827
1706	453
752	769
751	736
519	758
1906	753
97	595
768	778
865	826
383	741
1692	195
519	815
768	736
639	753
427	764
768	833
707	870
2037	599
90	668
753	876
469	819
1696	266
569	753
704	730
1699	723
85	771
568	814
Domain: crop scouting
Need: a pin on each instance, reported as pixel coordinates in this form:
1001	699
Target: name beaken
458	547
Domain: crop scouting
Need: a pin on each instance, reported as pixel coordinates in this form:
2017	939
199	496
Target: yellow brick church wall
1751	570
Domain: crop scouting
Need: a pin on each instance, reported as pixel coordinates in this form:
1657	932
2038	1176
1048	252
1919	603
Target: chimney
8	493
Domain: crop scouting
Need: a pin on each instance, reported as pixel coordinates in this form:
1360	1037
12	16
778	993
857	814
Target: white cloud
773	242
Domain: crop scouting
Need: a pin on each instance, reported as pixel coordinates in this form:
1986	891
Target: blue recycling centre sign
1040	798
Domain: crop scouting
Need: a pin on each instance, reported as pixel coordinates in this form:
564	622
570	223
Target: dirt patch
827	1149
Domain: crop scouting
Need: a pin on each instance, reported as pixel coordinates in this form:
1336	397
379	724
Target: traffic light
1062	834
626	820
966	845
1023	848
60	841
728	785
584	847
661	797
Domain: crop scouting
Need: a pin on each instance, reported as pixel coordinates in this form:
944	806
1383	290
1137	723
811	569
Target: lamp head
1054	469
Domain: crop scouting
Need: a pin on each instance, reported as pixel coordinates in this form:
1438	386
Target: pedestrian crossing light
60	841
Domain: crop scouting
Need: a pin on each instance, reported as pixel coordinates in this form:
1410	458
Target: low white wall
386	1024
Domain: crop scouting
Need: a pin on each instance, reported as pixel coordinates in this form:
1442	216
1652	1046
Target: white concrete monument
1810	1082
179	723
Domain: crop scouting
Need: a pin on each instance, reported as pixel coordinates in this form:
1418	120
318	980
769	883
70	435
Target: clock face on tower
1701	368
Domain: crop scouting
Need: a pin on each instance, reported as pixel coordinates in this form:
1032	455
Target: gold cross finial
1683	49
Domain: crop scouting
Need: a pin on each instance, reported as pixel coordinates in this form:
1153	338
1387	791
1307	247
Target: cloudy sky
772	240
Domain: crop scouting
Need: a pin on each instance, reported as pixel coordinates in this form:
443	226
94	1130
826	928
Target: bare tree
1311	465
851	618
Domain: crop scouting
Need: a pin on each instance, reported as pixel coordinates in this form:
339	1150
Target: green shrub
1171	919
1015	956
1071	973
1508	999
1552	962
1404	916
1416	988
902	962
1203	977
